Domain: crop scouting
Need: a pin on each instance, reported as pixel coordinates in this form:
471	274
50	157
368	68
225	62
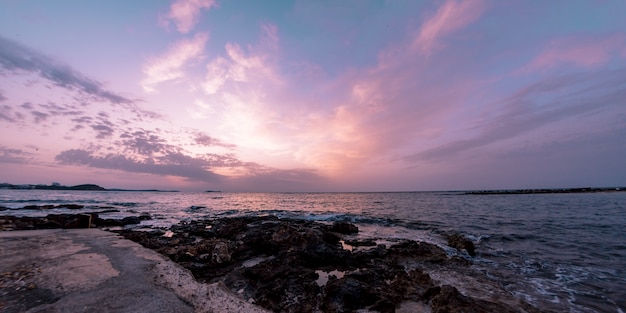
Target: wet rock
131	220
361	243
450	300
220	254
459	242
344	228
70	206
348	294
145	216
277	263
70	220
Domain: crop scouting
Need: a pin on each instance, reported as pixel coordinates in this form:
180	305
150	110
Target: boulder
459	242
344	228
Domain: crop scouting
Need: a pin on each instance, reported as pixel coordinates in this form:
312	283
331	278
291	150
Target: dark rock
275	264
70	206
131	220
69	220
345	228
348	294
459	242
361	243
145	216
450	300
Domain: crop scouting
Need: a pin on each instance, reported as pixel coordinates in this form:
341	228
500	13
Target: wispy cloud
193	170
186	13
169	66
451	16
203	139
244	65
16	57
541	104
11	155
579	51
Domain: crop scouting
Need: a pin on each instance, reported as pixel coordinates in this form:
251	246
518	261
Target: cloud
10	155
16	57
451	16
39	116
579	51
208	141
250	65
2	97
145	143
191	170
170	65
7	115
185	13
102	131
541	104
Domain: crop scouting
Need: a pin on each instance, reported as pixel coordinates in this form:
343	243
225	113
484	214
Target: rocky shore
302	266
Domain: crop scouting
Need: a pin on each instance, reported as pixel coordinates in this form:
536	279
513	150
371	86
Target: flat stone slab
90	270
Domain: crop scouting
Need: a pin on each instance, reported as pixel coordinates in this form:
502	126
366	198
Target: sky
300	95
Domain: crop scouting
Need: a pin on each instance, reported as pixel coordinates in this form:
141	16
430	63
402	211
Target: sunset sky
313	95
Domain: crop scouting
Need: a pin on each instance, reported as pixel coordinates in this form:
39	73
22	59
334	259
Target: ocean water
560	252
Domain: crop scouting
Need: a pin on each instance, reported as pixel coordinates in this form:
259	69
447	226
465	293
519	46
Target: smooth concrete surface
90	270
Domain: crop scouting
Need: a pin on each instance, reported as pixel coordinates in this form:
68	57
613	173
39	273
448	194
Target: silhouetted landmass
85	187
546	191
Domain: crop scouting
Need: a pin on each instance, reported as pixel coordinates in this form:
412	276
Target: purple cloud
190	170
103	131
10	155
208	141
540	104
16	57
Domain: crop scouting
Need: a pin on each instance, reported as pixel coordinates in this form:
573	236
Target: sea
559	252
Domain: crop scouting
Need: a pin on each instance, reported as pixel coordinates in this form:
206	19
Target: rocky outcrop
302	266
459	242
84	220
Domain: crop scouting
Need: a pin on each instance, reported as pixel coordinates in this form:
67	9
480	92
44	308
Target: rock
450	300
70	206
348	294
69	220
131	220
459	242
220	254
277	263
145	216
345	228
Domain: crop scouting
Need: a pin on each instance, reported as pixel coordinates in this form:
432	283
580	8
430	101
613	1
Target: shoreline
293	265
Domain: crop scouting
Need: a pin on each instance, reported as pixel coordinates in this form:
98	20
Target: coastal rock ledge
302	266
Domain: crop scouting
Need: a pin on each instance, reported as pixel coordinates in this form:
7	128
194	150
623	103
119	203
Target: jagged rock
70	220
345	228
131	220
220	253
450	300
459	242
279	264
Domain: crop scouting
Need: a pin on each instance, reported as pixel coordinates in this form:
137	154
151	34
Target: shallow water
561	252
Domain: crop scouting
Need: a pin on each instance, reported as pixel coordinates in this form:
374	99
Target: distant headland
82	187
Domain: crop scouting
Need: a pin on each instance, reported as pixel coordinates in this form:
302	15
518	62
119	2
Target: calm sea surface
561	252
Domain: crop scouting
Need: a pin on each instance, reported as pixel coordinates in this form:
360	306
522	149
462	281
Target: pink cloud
169	66
244	65
185	13
578	51
451	16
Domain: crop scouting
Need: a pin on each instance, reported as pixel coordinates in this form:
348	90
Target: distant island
82	187
547	191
